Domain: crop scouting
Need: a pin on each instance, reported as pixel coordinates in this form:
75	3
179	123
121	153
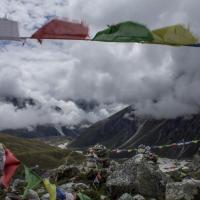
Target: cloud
44	114
160	81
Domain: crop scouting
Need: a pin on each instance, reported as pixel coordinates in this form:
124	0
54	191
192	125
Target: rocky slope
124	129
138	178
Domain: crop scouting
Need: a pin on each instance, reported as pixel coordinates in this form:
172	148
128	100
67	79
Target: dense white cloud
71	115
159	81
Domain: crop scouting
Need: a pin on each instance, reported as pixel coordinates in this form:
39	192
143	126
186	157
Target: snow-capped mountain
48	128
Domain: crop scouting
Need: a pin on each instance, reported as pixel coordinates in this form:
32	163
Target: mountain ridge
47	129
125	130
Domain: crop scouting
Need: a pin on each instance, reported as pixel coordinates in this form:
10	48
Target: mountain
86	105
47	130
43	131
19	103
125	130
110	132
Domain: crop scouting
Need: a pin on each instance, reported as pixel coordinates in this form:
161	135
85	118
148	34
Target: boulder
64	172
113	165
176	174
32	195
67	172
103	197
74	186
188	189
138	175
8	198
80	186
18	185
126	196
138	197
45	197
13	196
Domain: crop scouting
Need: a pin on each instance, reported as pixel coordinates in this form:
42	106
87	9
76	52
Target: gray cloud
159	81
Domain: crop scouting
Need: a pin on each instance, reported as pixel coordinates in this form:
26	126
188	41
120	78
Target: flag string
123	32
156	147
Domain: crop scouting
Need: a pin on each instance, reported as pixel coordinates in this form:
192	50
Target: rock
68	172
45	197
176	174
188	189
126	196
138	175
63	172
2	158
196	160
69	196
138	197
113	165
90	163
98	155
67	186
74	186
103	197
8	198
41	191
13	196
80	186
18	185
32	195
150	180
196	174
185	169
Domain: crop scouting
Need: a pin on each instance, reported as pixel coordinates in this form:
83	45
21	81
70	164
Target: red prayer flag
60	29
174	145
11	165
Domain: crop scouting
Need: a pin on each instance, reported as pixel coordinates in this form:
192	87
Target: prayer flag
51	188
125	32
10	166
32	179
60	29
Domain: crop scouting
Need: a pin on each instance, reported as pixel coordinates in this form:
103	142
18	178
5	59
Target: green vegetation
34	152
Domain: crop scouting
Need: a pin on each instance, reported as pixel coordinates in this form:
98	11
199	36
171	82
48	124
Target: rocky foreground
142	177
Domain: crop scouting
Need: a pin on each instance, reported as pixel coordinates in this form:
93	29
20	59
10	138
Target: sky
160	81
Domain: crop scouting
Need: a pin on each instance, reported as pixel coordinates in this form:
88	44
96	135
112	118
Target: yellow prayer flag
174	35
51	188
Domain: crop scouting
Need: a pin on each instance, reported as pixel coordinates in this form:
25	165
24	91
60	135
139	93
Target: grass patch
34	152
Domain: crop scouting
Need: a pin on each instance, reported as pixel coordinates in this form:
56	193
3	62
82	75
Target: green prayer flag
83	196
32	179
125	32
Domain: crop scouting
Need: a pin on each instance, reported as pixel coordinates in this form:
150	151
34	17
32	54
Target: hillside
124	129
111	132
34	152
